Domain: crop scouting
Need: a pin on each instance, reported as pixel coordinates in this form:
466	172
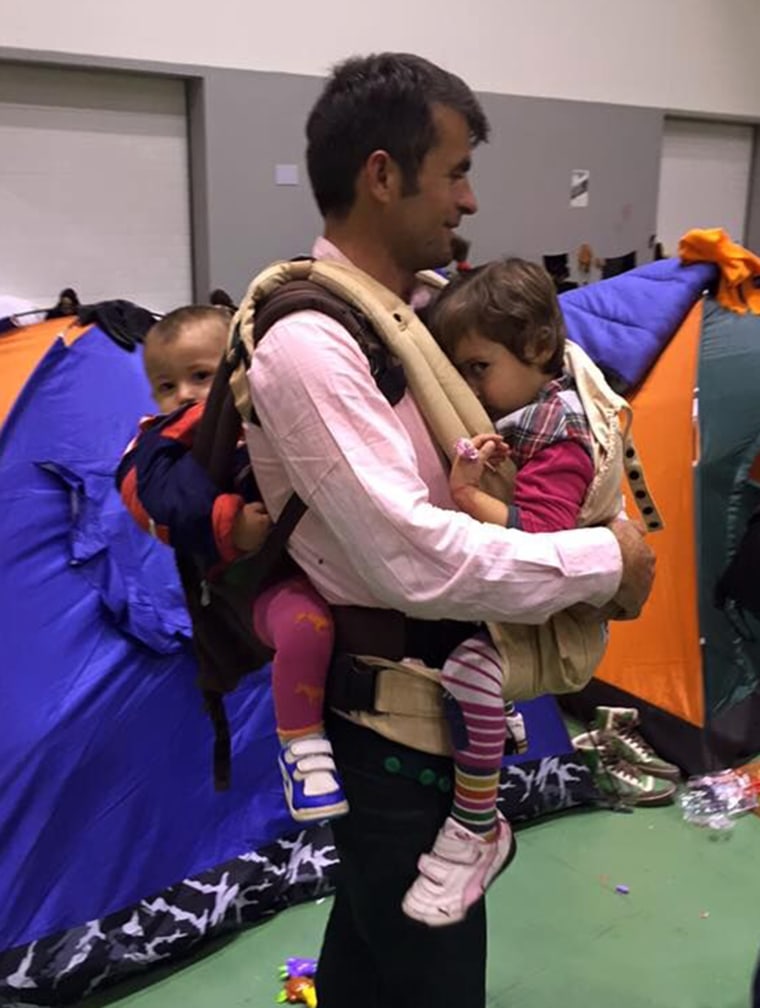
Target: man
389	148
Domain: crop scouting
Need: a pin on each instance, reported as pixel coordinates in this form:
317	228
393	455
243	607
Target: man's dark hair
512	302
381	102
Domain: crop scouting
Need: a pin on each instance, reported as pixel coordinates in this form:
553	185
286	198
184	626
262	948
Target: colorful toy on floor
298	967
298	975
299	990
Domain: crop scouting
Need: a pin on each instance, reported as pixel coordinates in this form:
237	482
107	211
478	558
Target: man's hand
251	527
638	570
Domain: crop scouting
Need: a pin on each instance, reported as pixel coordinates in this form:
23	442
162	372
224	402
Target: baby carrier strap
609	416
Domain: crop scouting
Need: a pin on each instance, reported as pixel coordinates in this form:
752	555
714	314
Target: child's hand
251	527
467	471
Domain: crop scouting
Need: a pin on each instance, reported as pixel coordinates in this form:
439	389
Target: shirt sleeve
351	461
551	488
170	495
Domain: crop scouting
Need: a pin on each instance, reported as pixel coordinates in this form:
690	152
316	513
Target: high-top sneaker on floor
616	777
622	724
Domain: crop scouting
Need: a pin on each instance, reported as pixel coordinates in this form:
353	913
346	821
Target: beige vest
558	656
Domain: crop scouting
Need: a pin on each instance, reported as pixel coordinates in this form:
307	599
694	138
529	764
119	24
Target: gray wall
753	209
244	123
522	178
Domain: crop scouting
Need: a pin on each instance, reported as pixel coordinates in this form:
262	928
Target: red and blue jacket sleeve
170	494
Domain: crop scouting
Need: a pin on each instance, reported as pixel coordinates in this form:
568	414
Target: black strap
218	432
259	566
215	709
306	295
252	576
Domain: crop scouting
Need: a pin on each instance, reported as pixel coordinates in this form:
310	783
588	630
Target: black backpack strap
214	704
249	575
305	295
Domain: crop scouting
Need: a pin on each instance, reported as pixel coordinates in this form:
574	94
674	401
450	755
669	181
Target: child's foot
456	873
312	787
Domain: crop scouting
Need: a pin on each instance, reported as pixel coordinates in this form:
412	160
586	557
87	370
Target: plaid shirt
556	415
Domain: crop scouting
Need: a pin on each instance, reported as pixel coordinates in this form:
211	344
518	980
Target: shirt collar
323	248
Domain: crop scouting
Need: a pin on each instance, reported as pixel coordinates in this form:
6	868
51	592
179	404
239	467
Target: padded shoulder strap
448	405
305	295
292	287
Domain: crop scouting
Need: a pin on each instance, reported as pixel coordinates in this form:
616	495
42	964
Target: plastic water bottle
713	801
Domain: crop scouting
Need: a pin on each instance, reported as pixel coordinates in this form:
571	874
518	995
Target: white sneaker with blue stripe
312	787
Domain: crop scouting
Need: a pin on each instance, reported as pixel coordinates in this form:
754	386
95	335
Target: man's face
421	227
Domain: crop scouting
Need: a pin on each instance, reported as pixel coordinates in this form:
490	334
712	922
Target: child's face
501	381
181	370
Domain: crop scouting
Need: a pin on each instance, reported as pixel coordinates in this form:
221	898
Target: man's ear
382	177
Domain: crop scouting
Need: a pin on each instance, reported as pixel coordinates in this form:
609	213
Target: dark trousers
756	987
372	954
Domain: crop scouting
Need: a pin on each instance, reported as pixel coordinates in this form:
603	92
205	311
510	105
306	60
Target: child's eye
478	369
165	388
202	376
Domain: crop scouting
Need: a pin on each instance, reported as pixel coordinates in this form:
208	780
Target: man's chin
441	260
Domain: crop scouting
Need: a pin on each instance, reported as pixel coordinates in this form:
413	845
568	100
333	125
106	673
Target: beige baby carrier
558	656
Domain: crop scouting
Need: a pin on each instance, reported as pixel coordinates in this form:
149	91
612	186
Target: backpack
738	588
220	609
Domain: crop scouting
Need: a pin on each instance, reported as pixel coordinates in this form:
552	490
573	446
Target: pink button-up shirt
381	529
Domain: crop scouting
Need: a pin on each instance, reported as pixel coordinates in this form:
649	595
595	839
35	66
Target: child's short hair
512	302
168	328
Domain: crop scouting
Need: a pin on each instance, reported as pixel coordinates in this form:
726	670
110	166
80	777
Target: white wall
94	186
704	179
681	55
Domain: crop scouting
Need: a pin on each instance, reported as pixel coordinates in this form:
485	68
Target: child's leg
475	843
472	679
292	619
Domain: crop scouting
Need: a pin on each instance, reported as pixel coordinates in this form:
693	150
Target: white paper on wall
579	187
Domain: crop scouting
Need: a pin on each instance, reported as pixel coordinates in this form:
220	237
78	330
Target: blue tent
106	793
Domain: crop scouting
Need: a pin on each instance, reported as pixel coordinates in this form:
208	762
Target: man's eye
478	369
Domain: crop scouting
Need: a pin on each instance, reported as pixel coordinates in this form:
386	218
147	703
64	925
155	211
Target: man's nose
466	202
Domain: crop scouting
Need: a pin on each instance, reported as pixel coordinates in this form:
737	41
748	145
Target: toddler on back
171	495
